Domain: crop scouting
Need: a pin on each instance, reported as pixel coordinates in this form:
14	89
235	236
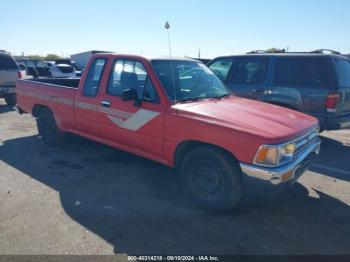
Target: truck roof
146	57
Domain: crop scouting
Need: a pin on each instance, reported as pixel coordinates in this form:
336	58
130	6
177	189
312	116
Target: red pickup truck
176	112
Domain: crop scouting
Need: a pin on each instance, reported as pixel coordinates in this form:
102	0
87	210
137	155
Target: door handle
259	90
106	103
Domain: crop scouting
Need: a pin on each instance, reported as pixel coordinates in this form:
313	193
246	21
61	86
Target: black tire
211	178
48	130
11	99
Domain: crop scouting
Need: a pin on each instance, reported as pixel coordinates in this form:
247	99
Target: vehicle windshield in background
189	80
7	63
342	67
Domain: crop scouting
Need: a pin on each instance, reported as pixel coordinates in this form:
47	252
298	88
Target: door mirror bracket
131	94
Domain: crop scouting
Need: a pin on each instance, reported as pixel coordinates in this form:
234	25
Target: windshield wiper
220	97
191	99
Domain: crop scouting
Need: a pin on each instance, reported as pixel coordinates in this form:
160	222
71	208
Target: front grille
65	69
303	142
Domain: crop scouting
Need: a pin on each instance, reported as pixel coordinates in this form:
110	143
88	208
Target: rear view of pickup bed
176	112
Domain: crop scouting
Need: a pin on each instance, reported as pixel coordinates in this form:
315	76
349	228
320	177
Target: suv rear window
302	72
7	62
342	67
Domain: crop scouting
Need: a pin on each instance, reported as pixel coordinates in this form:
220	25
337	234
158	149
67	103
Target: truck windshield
188	80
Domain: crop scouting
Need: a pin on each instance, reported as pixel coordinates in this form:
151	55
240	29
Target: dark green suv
315	83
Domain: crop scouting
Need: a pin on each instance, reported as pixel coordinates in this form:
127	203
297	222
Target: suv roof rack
325	51
267	51
277	51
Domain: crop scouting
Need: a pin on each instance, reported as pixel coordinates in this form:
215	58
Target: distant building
81	59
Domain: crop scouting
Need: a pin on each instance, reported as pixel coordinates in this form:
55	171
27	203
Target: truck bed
58	82
55	94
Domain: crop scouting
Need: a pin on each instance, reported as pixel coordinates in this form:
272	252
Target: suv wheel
48	129
211	178
11	99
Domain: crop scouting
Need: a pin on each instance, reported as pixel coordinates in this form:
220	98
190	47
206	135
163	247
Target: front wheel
48	129
211	178
11	99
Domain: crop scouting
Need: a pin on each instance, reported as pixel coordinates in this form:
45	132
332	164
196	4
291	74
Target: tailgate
8	77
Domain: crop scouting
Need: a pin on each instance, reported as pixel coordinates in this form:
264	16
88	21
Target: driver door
136	127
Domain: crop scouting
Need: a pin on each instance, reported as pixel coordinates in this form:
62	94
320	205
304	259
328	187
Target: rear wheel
11	99
48	130
211	178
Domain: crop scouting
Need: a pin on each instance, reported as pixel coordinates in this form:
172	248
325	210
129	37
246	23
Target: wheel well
185	147
37	108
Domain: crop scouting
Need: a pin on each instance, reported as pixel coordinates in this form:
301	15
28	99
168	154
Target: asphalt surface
87	198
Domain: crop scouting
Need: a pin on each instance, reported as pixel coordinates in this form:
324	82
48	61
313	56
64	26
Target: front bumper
338	122
287	173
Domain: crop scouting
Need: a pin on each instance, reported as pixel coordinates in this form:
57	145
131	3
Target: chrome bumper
288	172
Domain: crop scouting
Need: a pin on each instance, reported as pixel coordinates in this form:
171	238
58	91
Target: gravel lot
87	198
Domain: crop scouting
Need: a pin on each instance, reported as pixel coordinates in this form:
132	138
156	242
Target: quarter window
302	72
93	78
130	74
342	67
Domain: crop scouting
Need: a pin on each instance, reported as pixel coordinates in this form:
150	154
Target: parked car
176	112
9	73
53	70
315	83
78	72
30	66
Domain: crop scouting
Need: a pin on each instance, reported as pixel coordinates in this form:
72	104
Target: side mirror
131	94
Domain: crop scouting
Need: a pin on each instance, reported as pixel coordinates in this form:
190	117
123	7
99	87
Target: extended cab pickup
176	112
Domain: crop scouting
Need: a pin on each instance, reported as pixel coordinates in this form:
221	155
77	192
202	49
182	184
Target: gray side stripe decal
117	121
121	119
139	119
86	106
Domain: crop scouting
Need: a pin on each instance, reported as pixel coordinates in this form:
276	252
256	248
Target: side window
221	67
93	79
301	72
250	71
130	74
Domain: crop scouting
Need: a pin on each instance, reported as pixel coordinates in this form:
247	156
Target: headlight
275	155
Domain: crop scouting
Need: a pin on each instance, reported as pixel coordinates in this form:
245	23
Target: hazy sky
217	27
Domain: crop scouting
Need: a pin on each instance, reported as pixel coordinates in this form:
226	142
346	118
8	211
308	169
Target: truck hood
274	123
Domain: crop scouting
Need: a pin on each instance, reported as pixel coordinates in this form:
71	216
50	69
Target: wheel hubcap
207	180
